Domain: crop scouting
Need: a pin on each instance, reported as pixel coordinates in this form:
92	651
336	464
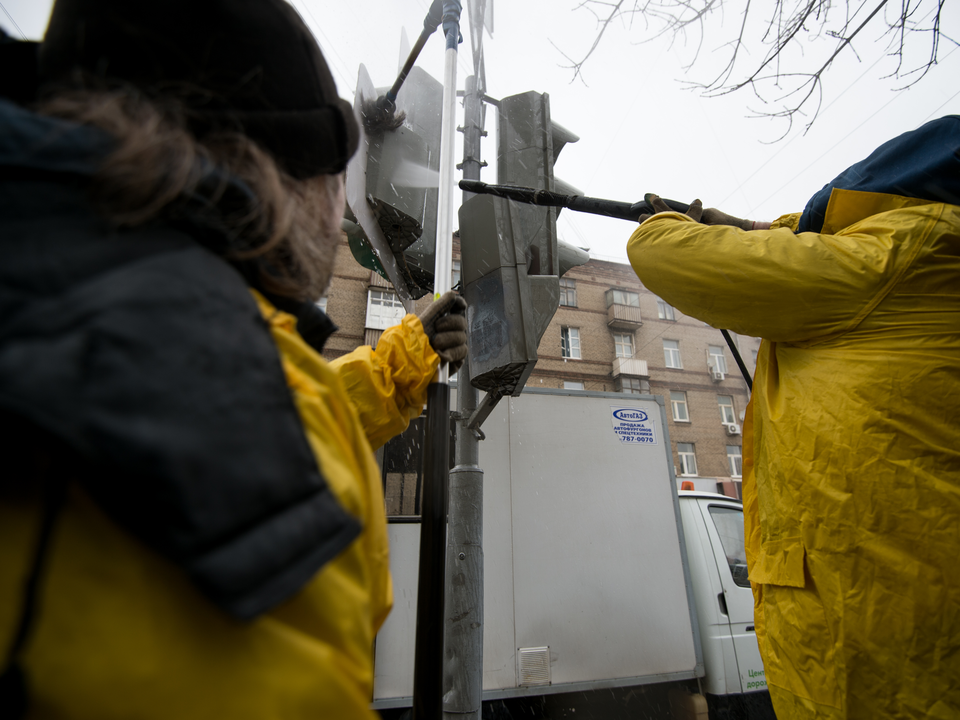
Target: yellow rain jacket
153	647
851	442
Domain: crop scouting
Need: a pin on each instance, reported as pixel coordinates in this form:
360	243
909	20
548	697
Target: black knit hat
245	64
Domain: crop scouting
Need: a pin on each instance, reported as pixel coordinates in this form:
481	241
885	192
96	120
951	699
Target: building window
570	343
678	401
454	273
622	297
664	311
671	354
630	385
726	409
735	458
716	358
623	345
688	459
568	293
572	385
384	309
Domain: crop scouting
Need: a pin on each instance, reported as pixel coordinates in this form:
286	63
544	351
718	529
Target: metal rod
463	646
579	203
736	356
430	25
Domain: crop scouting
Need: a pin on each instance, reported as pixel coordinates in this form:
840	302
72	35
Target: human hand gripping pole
445	324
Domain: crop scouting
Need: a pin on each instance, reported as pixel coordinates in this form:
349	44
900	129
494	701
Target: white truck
598	571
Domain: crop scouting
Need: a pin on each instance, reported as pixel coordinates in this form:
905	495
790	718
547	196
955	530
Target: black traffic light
510	255
392	184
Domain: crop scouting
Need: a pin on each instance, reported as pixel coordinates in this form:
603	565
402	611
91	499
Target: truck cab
714	534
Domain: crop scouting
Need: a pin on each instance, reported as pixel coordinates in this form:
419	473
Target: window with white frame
568	292
688	459
727	414
735	458
678	401
665	311
631	385
623	297
671	353
454	273
570	343
623	345
384	309
572	385
717	360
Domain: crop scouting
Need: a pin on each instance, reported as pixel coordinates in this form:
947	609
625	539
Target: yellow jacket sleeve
388	386
774	283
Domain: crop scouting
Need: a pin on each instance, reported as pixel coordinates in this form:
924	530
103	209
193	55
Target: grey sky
640	130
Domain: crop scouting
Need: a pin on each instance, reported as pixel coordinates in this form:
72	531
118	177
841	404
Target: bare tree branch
795	36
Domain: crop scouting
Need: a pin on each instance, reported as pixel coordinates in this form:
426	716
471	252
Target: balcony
623	317
634	367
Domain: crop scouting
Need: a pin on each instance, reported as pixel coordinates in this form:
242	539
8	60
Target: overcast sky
640	129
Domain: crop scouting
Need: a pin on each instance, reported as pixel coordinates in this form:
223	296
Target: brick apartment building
610	334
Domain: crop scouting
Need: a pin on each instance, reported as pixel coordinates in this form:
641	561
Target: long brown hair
290	225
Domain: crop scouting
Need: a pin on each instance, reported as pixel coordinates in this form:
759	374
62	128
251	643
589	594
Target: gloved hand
694	211
445	323
710	216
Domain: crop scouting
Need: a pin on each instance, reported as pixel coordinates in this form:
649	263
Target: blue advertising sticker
633	426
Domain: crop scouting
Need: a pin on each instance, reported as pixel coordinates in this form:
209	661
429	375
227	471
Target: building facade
610	334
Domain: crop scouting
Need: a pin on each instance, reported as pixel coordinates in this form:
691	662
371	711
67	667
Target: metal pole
463	672
428	653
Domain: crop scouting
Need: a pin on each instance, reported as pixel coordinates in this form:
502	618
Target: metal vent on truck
533	666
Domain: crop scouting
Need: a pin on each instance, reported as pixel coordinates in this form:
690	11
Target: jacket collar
37	145
922	164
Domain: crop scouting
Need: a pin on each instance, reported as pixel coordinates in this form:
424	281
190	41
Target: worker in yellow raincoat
191	516
852	436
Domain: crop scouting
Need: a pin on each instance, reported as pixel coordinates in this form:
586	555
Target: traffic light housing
392	184
510	258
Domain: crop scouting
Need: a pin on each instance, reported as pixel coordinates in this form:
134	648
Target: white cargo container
598	572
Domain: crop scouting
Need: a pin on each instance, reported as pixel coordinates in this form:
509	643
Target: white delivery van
734	680
598	571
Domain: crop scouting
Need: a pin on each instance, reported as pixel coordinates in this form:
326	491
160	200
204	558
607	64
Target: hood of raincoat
145	354
923	164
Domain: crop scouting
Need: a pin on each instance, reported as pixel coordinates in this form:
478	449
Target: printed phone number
638	439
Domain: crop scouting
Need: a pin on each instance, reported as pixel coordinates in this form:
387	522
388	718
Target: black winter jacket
144	353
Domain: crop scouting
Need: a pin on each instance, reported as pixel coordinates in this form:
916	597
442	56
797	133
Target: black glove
710	216
445	323
694	211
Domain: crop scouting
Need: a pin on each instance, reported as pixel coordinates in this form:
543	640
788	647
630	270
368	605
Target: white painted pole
448	135
431	584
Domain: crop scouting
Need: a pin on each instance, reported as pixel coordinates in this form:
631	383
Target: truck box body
586	579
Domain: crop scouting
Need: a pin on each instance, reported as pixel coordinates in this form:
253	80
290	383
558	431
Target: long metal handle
430	25
579	203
